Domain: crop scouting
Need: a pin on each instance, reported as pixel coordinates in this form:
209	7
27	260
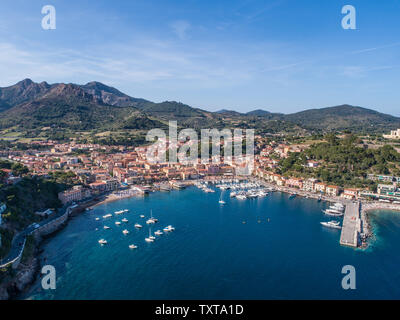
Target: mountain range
30	105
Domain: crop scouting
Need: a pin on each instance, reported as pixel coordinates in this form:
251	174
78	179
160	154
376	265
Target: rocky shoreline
25	275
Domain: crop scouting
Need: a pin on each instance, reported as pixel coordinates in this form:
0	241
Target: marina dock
351	225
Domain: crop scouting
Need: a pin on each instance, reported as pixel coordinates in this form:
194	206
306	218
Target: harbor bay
270	247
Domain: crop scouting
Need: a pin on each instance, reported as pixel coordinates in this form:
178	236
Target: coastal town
98	169
97	174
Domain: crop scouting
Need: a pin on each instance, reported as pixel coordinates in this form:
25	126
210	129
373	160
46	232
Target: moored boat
332	224
332	212
150	238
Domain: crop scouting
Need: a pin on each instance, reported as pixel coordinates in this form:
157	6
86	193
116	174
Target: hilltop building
394	134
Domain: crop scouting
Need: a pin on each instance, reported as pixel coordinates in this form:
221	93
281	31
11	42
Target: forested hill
97	106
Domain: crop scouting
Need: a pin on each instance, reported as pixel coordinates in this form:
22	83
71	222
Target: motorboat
106	227
331	212
109	215
125	231
138	226
158	233
102	241
132	246
332	224
117	223
124	220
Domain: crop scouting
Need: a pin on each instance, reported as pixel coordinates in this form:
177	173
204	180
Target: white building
394	134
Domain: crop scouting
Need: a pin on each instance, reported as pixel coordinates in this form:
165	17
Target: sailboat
151	220
150	238
220	199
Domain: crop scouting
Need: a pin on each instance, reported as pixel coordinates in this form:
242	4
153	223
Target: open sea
267	248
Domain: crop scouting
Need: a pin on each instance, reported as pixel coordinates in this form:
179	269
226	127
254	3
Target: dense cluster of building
99	169
309	185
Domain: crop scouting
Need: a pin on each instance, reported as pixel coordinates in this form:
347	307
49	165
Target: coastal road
18	243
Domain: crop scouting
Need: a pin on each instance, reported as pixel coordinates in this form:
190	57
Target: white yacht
338	208
158	233
169	228
97	219
109	215
220	198
150	221
138	226
125	231
333	212
124	220
241	197
332	224
251	194
126	210
106	227
119	212
102	241
132	246
117	223
142	215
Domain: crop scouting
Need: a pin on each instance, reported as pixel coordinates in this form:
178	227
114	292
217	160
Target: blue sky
277	55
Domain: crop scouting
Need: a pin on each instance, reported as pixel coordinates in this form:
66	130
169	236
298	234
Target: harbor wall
51	227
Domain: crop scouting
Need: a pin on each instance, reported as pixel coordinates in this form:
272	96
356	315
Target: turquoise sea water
280	252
